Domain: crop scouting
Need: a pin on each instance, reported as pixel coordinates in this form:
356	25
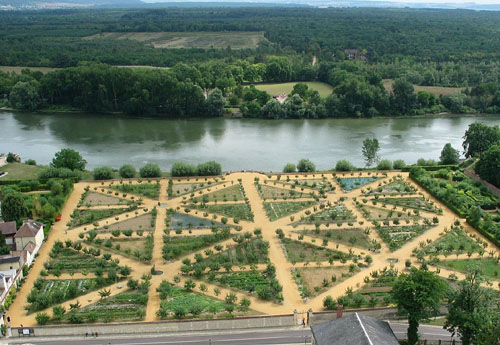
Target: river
264	145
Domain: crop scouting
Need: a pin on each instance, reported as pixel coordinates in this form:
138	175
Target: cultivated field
225	247
435	90
278	88
219	40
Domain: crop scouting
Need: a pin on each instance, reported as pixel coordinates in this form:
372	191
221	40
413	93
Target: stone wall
166	326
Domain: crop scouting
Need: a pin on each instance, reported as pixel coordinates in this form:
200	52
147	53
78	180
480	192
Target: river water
265	145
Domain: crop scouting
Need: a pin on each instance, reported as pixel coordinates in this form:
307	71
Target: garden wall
166	326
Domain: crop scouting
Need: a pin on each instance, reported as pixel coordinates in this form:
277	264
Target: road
292	336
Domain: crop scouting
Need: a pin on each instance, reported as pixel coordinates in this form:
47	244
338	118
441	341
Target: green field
435	90
278	88
236	40
20	171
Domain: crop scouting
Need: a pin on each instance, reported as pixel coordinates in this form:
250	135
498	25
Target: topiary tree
127	171
344	165
182	169
150	170
103	173
384	164
210	168
305	165
289	168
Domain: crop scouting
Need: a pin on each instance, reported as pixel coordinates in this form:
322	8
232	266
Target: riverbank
248	144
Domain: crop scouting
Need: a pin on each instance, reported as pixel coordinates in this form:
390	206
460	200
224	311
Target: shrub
127	171
103	173
329	303
42	318
13	158
289	168
150	170
398	164
344	165
384	164
30	162
210	168
182	169
305	165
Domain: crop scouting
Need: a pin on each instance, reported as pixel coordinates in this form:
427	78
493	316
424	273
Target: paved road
229	338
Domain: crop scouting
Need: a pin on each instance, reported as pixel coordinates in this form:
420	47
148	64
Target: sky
484	2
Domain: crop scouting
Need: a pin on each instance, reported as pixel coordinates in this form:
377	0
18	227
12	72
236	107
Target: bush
52	172
289	168
150	170
329	303
384	164
305	165
30	162
42	318
344	165
103	173
398	164
210	168
426	162
182	169
13	158
127	171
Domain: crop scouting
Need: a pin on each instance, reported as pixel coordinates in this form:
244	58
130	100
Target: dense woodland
413	47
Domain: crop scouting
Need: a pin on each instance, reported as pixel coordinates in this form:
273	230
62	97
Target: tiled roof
29	229
8	228
354	329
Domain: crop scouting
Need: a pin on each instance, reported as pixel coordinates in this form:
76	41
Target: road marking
214	341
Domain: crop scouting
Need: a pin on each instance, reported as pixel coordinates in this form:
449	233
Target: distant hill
53	4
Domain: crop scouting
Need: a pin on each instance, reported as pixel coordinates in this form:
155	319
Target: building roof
29	247
29	229
7	259
8	228
354	329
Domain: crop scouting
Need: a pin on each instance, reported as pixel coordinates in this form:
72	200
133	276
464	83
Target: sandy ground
291	294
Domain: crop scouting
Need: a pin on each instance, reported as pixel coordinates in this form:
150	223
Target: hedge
430	167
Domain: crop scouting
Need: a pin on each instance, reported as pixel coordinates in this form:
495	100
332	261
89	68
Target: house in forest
355	54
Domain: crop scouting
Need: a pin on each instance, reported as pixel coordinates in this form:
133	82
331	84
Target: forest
443	48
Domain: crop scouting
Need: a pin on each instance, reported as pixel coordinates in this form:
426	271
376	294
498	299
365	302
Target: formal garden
237	245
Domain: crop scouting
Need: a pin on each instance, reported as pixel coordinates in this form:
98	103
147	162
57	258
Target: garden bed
89	216
98	199
149	190
350	183
238	211
276	210
175	247
354	237
396	236
298	251
274	193
334	214
144	222
313	281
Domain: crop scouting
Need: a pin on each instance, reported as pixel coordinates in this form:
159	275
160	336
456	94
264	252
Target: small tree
418	295
370	150
150	170
344	165
103	173
68	158
470	307
14	208
305	165
449	155
289	168
42	318
127	171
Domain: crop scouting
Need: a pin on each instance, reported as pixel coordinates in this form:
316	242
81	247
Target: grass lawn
80	217
150	190
277	88
240	211
348	237
175	247
435	90
276	210
489	266
298	251
454	242
20	171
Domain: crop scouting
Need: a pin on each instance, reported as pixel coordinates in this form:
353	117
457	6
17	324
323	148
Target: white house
30	231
